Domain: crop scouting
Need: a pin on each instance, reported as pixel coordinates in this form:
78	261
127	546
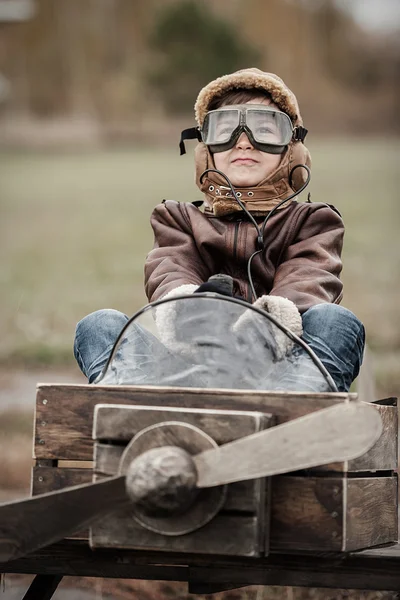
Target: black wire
260	231
242	206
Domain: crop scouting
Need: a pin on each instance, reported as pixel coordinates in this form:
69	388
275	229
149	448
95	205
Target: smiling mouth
245	161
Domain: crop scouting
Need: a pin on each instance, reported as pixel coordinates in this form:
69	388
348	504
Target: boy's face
243	164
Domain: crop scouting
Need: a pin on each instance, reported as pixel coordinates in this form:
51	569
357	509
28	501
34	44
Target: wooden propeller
167	479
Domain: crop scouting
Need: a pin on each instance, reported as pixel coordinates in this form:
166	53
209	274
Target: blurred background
93	96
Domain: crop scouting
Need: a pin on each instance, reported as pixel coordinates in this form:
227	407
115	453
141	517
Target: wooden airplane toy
218	486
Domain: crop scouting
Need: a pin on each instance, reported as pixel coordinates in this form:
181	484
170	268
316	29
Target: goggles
268	129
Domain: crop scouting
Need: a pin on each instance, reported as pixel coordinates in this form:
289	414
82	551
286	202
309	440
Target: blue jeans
334	333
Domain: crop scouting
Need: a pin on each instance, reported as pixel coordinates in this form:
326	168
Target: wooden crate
240	526
342	507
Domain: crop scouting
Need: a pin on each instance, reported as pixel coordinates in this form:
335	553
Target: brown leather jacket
300	261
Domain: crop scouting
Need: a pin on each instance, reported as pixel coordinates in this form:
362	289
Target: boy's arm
174	260
309	272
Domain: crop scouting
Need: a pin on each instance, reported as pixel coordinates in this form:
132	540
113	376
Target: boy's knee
101	321
323	318
330	313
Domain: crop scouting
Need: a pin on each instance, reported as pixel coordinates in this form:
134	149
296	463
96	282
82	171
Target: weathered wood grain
306	513
147	428
327	514
383	455
225	534
67	433
49	479
120	423
364	570
371	512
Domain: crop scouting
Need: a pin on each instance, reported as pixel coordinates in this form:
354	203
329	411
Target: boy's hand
219	284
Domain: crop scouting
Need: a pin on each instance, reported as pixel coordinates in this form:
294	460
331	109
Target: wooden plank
121	423
49	479
371	512
67	433
363	571
383	454
306	513
225	534
331	514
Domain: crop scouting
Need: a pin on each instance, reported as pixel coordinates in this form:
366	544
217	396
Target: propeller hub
161	482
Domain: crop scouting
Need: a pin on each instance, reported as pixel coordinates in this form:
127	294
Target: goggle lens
270	127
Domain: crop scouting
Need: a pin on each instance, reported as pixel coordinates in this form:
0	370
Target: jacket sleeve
174	260
310	269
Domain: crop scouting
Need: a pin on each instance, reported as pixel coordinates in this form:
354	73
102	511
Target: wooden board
226	534
239	528
317	514
383	454
67	434
306	512
364	571
120	423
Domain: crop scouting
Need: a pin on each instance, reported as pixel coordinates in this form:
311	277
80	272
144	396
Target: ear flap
299	156
203	161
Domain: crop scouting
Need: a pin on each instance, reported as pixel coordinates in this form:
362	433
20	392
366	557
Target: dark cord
260	231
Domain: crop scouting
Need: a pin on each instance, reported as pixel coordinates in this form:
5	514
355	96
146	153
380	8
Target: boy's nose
243	142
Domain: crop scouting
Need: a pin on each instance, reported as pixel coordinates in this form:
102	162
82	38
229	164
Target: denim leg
95	336
337	338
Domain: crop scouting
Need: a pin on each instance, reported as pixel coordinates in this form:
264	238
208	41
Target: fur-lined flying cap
249	79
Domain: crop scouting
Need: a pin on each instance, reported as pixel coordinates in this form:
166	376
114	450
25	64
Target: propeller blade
338	433
29	524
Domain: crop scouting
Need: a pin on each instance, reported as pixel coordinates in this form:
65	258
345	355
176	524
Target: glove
284	311
219	284
175	319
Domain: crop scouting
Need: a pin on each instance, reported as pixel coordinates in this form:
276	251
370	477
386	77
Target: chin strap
193	133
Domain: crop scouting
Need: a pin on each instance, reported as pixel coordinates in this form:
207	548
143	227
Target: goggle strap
193	133
299	133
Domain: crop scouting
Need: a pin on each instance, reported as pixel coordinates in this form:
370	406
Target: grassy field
74	233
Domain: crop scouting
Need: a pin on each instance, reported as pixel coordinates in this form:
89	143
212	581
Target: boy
251	131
